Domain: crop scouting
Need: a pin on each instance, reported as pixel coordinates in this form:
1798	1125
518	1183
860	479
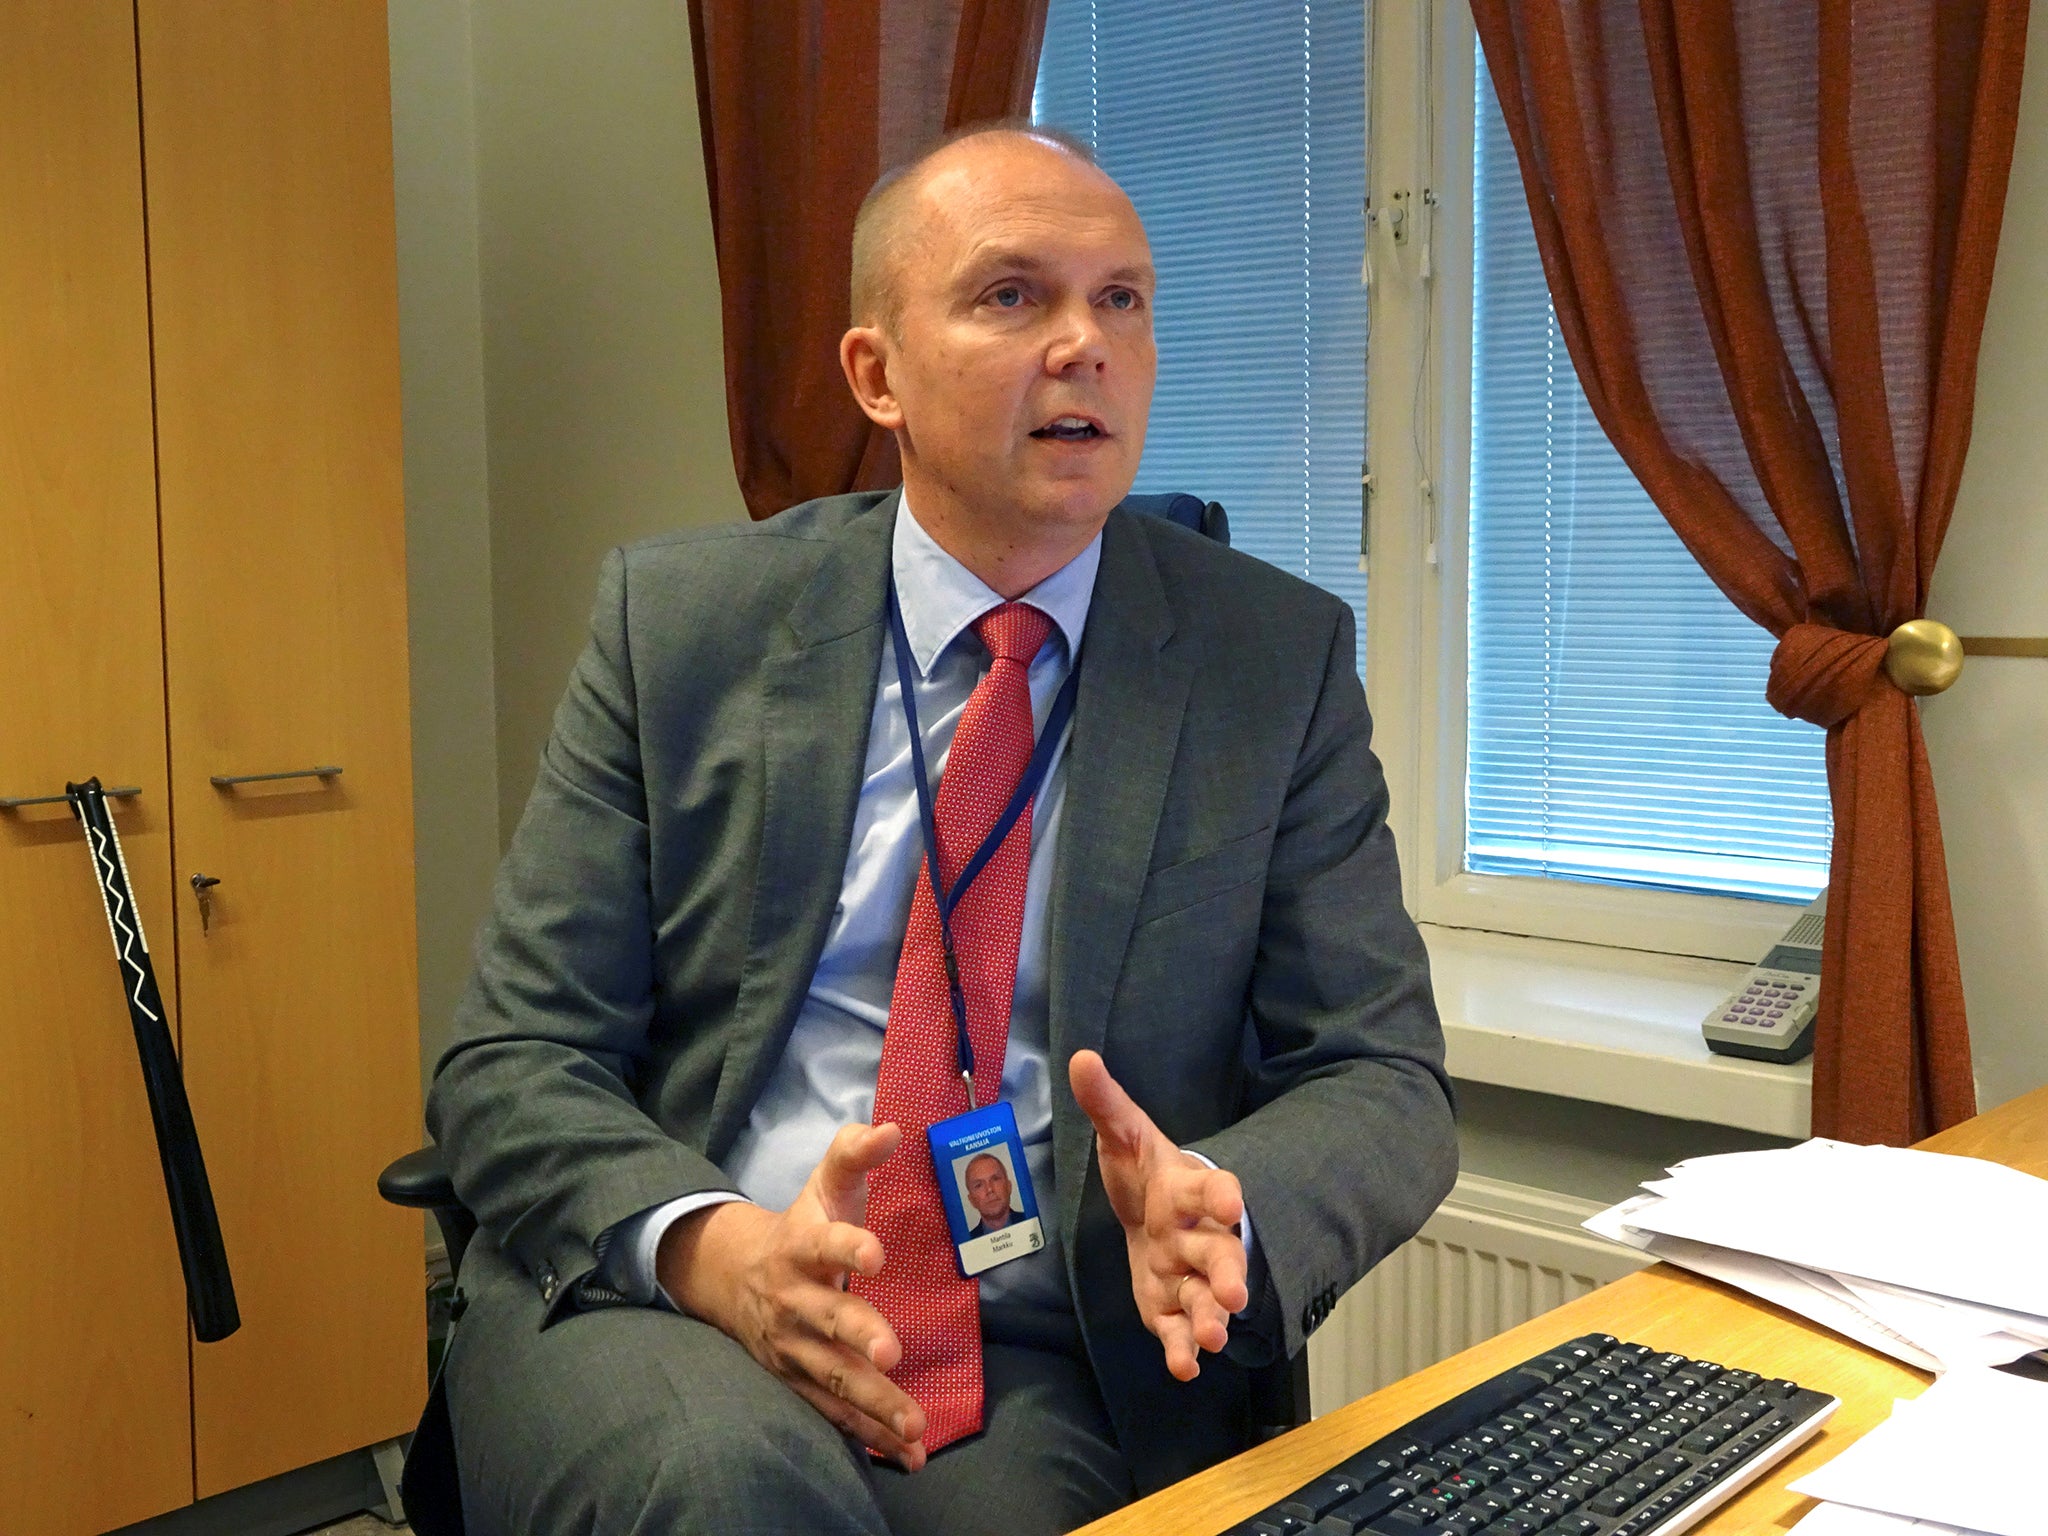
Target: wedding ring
1184	1279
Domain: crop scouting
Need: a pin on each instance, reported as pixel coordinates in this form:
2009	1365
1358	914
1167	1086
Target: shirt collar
940	597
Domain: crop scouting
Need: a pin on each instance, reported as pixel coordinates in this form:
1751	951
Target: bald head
886	226
1002	292
988	1190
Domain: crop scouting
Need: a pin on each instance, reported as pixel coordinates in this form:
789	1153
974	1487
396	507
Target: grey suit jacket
1226	920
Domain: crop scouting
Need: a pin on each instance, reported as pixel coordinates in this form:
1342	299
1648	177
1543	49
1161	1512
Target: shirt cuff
630	1246
1244	1226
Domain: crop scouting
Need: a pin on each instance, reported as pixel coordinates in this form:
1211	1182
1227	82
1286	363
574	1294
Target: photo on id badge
986	1186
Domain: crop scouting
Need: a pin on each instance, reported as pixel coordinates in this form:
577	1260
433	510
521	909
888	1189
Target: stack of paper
1960	1457
1936	1260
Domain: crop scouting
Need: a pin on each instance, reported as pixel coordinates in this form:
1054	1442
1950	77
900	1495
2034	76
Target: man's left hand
1180	1220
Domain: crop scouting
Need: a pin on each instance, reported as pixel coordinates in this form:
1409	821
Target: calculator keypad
1770	999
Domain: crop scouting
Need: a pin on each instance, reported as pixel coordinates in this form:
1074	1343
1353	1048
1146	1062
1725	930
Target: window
1238	128
1570	715
1616	723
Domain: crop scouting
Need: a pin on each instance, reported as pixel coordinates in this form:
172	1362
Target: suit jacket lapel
817	699
1127	721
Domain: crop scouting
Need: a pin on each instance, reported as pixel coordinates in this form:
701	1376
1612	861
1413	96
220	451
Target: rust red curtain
1768	230
803	103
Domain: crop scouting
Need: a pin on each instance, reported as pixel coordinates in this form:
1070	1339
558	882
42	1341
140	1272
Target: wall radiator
1494	1255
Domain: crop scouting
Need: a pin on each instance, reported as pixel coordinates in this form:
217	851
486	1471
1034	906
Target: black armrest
419	1180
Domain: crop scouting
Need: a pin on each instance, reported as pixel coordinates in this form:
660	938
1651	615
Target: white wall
1988	736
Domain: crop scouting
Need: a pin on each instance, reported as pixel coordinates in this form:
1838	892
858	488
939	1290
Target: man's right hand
776	1282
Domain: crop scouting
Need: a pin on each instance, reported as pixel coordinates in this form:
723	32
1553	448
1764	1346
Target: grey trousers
628	1421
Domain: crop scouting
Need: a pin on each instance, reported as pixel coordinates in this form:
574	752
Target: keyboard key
1367	1467
1612	1502
1576	1525
1322	1496
1369	1505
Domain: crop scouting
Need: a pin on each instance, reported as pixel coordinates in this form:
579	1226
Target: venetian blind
1617	723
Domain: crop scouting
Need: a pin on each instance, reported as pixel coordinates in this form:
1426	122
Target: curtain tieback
1823	674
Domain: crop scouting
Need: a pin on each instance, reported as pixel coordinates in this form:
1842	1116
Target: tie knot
1013	632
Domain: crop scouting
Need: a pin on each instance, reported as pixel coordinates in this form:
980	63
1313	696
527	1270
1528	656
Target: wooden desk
1663	1307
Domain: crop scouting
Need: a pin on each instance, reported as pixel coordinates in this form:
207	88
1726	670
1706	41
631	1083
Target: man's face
1023	358
988	1187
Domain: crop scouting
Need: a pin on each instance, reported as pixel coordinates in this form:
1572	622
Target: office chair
419	1180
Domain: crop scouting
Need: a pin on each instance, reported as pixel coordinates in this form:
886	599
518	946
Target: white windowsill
1613	1026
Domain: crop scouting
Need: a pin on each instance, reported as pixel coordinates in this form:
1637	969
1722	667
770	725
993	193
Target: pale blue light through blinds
1238	128
1617	726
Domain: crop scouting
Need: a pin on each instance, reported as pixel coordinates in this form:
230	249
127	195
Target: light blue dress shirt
826	1077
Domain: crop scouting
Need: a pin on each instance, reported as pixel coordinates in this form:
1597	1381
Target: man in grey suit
1223	1058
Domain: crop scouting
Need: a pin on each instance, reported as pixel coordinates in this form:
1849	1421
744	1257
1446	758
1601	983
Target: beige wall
563	385
448	535
602	346
1988	736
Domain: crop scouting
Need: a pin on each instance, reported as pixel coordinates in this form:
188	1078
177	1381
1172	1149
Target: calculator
1770	1016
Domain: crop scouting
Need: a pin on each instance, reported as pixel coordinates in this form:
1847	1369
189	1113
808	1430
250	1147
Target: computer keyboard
1592	1438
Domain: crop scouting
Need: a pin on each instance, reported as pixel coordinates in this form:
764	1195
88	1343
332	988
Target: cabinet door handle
230	780
122	793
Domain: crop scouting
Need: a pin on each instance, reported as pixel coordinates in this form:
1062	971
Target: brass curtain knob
1923	656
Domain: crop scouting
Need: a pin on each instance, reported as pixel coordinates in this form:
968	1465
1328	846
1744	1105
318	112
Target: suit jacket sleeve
1348	1141
533	1102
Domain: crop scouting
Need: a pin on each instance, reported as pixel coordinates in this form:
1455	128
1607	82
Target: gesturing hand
776	1281
1179	1218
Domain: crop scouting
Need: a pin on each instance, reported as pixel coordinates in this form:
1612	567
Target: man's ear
864	358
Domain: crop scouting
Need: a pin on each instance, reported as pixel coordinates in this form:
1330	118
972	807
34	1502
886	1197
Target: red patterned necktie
935	1312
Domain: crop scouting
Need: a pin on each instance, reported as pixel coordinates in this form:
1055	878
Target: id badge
986	1187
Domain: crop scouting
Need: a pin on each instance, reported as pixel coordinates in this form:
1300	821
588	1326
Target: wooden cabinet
202	574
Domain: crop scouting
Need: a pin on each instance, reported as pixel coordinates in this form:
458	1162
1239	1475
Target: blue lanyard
945	897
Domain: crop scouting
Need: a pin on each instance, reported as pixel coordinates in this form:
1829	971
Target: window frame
1420	134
